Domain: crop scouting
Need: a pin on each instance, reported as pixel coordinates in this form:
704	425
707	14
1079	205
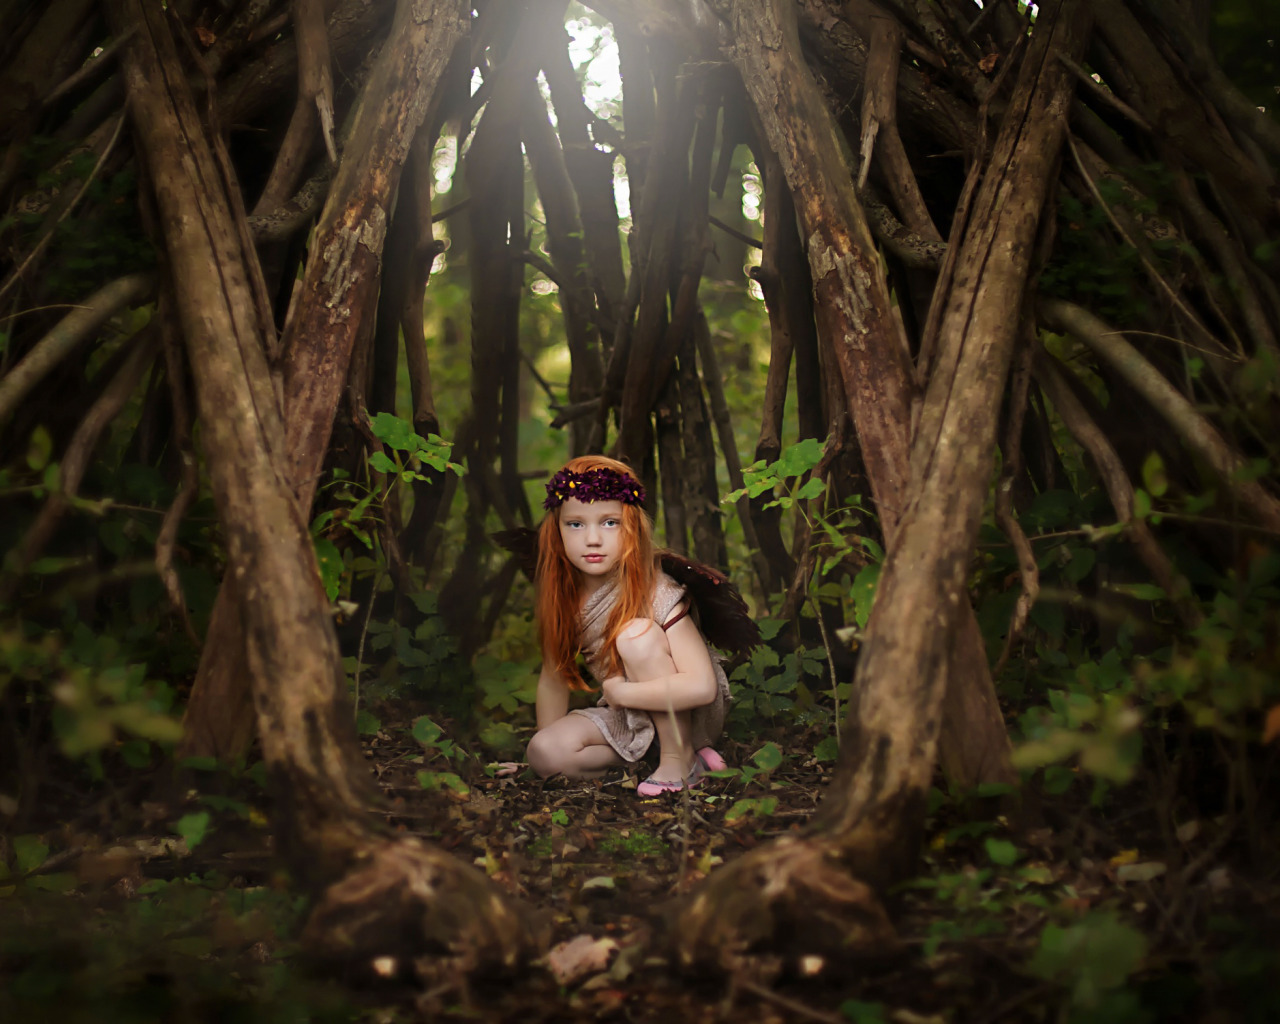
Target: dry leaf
1144	872
206	37
989	62
578	957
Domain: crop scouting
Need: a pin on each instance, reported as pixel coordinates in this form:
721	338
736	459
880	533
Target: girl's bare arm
553	697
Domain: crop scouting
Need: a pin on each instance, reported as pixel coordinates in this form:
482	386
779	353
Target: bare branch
71	331
1195	430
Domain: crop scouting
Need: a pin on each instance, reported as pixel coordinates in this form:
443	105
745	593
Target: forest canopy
947	330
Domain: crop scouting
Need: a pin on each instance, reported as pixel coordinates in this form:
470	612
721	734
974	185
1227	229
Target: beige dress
628	731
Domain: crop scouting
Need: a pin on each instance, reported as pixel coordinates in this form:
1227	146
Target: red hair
560	584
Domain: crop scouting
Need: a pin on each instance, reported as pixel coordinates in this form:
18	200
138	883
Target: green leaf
1154	477
1001	851
864	593
1081	564
768	757
560	817
28	853
367	723
769	628
1141	504
39	449
863	1013
382	463
396	432
193	828
811	489
1092	957
799	458
329	561
443	780
426	731
828	749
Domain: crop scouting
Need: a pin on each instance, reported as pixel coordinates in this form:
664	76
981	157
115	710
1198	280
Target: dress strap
675	618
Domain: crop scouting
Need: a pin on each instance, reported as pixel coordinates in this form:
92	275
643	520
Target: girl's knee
544	754
640	639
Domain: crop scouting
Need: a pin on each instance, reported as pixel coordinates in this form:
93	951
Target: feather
722	613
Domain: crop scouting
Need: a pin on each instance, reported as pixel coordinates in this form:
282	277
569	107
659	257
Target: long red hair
560	584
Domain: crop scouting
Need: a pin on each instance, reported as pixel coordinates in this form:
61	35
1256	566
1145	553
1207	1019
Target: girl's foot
711	759
656	787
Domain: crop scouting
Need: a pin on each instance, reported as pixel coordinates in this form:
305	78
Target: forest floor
1086	917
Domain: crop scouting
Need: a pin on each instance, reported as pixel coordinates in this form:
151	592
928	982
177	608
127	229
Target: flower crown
601	484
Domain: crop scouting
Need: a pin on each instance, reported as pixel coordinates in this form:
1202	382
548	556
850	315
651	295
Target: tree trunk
856	321
872	817
377	897
338	291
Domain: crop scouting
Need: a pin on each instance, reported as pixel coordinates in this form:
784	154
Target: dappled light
912	656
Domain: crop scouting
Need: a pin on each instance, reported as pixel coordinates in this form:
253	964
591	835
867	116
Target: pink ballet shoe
656	787
712	759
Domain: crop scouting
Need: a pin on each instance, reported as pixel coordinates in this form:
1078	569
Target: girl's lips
594	558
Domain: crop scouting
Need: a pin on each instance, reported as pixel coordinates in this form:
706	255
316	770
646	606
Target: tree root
778	904
412	913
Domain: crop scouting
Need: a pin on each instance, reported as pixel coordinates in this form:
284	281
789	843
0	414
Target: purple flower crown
602	484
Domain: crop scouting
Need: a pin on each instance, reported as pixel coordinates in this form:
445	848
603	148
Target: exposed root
412	913
782	902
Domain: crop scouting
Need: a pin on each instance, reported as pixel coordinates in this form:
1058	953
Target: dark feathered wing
722	613
523	543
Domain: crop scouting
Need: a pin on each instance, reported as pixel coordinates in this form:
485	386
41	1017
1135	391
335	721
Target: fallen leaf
578	957
1124	857
1144	872
1188	830
206	37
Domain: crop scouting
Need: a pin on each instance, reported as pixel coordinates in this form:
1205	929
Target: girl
601	593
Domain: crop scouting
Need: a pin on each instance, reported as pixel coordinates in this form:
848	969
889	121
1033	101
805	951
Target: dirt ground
208	933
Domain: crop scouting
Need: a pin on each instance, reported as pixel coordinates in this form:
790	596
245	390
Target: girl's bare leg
646	655
573	746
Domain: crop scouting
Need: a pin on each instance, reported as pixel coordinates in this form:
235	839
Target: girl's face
592	537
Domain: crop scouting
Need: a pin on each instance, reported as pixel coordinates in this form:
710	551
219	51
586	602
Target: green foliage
1092	958
96	695
193	828
102	239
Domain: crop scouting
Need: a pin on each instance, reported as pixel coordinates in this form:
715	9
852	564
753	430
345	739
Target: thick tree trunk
404	895
872	817
338	291
856	321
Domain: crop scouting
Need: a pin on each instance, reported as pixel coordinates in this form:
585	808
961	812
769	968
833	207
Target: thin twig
90	68
1151	270
831	662
1104	94
735	233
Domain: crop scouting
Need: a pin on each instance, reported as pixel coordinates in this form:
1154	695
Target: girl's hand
612	689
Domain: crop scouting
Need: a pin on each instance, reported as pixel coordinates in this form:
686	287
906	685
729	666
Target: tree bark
323	826
338	290
872	817
856	322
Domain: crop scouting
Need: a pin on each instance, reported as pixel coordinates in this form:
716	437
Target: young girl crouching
601	592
